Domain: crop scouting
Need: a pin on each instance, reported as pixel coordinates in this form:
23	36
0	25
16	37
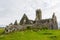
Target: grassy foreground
32	35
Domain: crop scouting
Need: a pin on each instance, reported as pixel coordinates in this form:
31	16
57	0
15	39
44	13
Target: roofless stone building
38	23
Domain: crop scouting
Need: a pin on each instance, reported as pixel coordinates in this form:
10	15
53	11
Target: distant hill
2	25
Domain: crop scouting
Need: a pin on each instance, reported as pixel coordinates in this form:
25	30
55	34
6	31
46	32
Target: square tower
38	15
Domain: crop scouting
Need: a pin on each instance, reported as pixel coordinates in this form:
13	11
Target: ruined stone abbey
37	24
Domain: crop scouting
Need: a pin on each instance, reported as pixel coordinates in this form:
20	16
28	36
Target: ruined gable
24	20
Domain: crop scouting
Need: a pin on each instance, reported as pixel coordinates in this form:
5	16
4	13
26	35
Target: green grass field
31	35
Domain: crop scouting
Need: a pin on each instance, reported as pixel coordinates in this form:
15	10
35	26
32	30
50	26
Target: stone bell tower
38	15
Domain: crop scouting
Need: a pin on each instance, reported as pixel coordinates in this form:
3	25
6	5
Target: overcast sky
10	10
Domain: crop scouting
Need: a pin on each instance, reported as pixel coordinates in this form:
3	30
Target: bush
28	27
